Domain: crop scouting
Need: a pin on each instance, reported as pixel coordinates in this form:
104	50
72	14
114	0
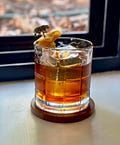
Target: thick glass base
63	118
62	108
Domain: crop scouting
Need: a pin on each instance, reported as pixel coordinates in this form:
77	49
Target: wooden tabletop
18	126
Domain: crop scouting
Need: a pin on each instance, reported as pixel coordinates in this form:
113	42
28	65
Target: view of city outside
18	17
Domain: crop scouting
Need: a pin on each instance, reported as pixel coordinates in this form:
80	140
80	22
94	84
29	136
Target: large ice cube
67	56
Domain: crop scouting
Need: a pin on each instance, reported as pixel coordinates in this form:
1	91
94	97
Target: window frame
104	16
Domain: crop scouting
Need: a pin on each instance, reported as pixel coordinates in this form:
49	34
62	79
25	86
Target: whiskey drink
62	77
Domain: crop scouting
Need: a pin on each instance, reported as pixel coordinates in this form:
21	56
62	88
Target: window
20	17
100	25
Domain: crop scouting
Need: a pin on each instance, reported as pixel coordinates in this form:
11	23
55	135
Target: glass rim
90	44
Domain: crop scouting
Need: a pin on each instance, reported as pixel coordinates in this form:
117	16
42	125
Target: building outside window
20	17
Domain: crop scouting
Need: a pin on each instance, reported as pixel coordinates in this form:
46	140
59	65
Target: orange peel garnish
54	34
48	41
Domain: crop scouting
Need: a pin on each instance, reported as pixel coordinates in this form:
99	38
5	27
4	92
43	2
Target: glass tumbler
62	76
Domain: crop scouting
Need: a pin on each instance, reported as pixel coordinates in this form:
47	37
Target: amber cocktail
62	76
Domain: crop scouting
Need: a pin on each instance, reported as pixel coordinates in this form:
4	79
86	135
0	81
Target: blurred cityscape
18	17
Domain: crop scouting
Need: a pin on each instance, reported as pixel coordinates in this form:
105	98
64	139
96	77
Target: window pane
22	16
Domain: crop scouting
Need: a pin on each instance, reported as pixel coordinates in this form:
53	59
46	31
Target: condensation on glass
22	16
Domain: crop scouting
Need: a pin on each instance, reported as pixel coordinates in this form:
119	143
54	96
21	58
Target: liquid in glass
63	84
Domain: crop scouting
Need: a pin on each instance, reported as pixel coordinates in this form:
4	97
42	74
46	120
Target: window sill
19	126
